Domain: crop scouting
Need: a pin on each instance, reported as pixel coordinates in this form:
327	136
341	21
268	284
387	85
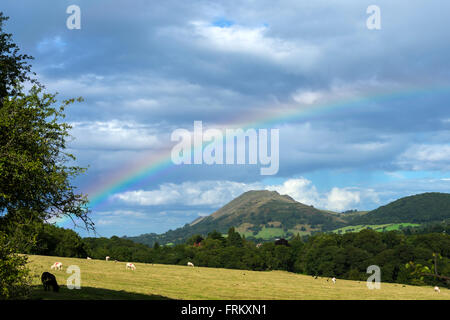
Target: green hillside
375	227
420	208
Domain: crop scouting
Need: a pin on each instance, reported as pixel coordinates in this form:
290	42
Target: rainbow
156	164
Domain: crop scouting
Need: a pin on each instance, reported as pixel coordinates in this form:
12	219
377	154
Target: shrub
15	280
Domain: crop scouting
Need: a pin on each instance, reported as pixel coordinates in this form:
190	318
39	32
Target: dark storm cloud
140	44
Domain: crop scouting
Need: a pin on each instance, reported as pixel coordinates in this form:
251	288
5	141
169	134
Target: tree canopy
35	178
14	67
35	172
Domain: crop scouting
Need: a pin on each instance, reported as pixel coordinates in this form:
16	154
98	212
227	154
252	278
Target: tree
14	67
234	238
35	183
35	180
14	278
421	271
216	235
55	241
194	240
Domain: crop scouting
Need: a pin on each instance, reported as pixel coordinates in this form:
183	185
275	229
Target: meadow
110	280
376	227
277	232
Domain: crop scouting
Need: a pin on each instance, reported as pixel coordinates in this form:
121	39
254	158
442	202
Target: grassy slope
419	208
109	280
271	233
376	227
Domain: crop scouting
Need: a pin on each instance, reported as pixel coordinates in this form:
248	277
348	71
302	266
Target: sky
363	114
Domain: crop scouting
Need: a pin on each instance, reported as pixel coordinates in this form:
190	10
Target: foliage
14	277
118	249
54	241
34	178
14	67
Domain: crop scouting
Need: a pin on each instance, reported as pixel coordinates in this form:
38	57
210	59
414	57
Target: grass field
376	227
110	280
277	232
273	232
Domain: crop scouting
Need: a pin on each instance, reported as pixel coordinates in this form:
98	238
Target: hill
420	208
266	215
259	214
108	280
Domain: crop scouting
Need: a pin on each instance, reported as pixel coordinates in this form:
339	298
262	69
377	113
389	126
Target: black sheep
282	242
49	280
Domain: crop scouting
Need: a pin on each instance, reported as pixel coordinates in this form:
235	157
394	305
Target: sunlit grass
376	227
110	280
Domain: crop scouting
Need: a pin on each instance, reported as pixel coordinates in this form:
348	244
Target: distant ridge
419	208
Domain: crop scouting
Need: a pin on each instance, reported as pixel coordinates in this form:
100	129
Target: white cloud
341	199
426	157
202	193
104	222
215	194
164	195
141	103
121	213
299	189
113	134
306	97
51	44
255	41
337	199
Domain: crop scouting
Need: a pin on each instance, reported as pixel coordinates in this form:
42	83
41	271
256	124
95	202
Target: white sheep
190	264
436	289
130	266
56	266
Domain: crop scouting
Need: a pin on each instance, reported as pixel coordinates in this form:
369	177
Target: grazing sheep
107	258
56	266
130	266
334	280
49	280
89	258
190	264
436	289
282	242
